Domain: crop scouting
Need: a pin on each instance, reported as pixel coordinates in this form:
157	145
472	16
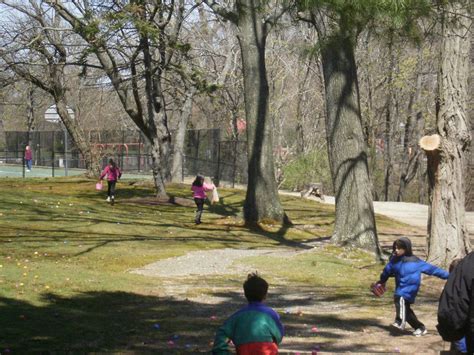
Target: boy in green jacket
255	328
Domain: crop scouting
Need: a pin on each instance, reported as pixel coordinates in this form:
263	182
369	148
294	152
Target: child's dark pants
111	189
405	313
200	208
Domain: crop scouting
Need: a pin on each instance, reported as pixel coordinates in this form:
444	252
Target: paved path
413	214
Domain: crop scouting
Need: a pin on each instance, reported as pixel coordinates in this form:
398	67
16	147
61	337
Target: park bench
313	189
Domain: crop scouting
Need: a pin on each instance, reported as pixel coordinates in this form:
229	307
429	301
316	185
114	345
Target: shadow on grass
123	321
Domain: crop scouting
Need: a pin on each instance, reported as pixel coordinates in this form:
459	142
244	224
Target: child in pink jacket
199	189
113	173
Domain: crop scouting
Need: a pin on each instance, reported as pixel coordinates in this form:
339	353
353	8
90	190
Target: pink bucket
98	186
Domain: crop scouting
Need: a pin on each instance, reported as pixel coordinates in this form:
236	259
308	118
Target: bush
306	169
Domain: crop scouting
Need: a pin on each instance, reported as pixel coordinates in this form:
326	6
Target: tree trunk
448	237
303	76
389	123
410	161
160	139
180	136
355	219
369	121
91	157
470	164
262	203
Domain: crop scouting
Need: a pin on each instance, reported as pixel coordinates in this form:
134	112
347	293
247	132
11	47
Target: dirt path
303	308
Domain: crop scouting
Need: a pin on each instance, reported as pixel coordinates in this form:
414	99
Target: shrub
308	168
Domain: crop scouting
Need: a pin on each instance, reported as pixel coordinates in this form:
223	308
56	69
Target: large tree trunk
90	155
448	237
160	138
180	136
355	219
262	203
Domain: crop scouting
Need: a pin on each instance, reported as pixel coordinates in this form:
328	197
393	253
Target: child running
113	174
254	329
199	189
407	269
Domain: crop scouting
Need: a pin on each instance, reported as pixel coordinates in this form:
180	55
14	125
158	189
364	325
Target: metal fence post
65	152
139	151
52	154
217	177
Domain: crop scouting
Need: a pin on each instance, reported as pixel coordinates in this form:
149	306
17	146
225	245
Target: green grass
66	254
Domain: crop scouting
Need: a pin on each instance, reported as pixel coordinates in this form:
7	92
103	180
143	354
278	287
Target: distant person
407	270
255	328
113	173
28	158
456	305
199	188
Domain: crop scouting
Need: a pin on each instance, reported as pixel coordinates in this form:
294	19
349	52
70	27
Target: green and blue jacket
253	328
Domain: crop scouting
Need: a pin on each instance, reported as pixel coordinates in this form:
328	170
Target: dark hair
199	181
405	244
399	245
453	264
111	162
255	288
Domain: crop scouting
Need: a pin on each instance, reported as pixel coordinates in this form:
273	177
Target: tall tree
134	43
347	149
39	52
253	20
448	237
338	24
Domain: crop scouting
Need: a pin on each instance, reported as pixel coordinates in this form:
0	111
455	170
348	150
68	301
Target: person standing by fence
28	158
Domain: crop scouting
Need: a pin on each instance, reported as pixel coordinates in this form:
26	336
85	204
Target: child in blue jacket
407	270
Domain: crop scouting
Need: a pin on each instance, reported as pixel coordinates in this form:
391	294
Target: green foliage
308	168
353	16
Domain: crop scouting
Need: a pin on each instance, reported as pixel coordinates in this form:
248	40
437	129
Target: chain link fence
204	152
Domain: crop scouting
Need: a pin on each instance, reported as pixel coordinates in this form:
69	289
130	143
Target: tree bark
90	155
413	127
262	203
355	219
180	136
303	75
470	164
448	237
389	122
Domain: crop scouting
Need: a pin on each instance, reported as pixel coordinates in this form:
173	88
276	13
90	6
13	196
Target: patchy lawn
70	273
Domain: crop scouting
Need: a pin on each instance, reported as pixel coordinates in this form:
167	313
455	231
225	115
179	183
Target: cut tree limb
430	143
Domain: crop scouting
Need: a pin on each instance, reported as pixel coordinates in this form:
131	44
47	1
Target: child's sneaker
420	332
108	199
398	325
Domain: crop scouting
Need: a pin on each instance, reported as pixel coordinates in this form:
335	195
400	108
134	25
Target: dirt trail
355	332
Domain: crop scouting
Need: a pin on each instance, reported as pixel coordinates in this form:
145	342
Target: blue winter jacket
407	271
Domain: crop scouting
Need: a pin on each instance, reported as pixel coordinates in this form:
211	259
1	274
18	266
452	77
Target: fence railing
204	154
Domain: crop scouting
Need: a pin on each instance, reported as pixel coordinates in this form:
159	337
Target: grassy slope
65	254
